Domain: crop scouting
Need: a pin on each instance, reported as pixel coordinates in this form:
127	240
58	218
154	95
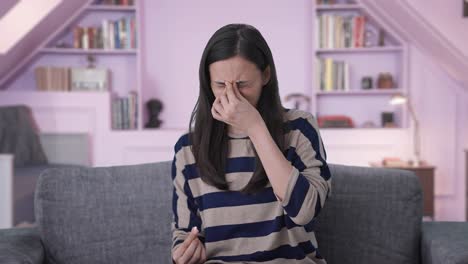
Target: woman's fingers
231	95
216	115
203	254
216	111
187	256
179	252
236	91
224	100
218	104
196	255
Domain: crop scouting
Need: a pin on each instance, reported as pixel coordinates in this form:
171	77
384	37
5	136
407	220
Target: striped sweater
238	228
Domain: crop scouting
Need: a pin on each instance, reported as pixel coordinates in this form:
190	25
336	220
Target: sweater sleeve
309	182
185	210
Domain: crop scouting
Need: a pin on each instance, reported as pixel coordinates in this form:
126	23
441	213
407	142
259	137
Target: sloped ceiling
23	52
6	5
414	28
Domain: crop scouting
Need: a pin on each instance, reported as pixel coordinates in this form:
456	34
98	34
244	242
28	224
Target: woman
250	176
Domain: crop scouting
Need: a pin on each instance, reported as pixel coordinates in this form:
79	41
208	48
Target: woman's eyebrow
221	82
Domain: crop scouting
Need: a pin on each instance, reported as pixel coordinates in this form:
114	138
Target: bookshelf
119	55
343	57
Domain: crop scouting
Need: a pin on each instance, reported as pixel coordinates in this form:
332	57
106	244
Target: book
77	36
340	31
52	78
110	34
332	75
125	111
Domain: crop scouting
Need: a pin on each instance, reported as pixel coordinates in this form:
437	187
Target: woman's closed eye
241	85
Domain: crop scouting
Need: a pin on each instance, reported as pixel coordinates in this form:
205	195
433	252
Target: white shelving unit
363	105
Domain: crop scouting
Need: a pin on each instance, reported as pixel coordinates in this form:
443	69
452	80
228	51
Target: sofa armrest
444	242
21	245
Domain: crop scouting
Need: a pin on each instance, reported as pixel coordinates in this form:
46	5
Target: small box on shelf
89	79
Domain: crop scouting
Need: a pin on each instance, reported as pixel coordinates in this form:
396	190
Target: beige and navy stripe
255	228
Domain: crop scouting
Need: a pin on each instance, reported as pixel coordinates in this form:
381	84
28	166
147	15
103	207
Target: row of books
115	2
339	31
332	75
125	111
52	78
119	34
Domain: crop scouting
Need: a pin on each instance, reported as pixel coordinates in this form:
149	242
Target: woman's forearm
277	167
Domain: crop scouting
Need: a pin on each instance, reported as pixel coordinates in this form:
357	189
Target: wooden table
425	174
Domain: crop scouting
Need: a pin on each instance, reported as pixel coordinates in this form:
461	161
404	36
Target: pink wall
440	104
177	31
446	111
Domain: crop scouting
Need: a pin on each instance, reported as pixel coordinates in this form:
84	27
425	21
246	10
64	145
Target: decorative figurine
154	107
366	83
91	61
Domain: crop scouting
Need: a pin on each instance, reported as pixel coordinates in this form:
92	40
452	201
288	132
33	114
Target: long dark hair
209	137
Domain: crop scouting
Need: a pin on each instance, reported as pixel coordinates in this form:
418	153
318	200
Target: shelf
338	7
361	92
148	130
360	50
89	51
60	97
56	93
111	8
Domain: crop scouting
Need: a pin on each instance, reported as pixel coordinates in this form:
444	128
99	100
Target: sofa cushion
21	246
444	242
118	214
373	216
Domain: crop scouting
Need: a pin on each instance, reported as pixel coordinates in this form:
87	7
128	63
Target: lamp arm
417	143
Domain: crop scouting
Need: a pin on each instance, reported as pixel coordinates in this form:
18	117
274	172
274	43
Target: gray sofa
122	214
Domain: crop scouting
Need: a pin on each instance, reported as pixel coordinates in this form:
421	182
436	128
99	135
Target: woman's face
248	77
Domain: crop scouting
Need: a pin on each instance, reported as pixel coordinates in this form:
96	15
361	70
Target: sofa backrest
122	214
106	215
373	216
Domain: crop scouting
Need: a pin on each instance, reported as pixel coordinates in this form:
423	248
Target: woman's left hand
234	109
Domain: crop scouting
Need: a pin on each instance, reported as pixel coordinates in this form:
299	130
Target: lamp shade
398	99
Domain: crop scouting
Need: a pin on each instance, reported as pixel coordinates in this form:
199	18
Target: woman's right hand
191	251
